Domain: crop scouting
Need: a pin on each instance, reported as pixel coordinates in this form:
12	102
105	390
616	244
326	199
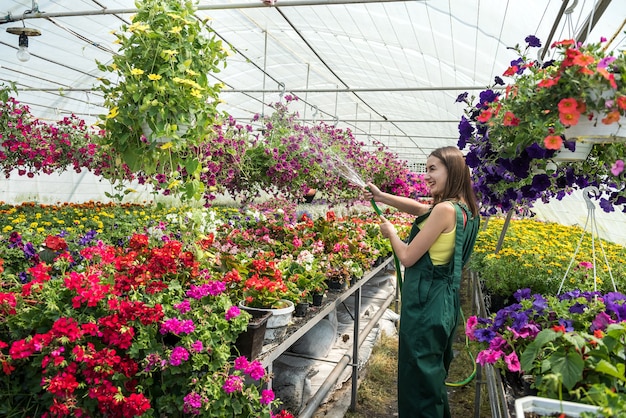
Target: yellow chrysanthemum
136	71
176	30
154	77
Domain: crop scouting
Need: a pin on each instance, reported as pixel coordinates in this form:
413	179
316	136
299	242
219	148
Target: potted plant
514	135
161	102
569	346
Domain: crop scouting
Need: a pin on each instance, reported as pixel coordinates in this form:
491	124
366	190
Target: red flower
55	243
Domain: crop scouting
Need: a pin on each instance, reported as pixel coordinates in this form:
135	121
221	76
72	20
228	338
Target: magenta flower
179	354
512	362
233	384
232	312
255	370
267	396
241	363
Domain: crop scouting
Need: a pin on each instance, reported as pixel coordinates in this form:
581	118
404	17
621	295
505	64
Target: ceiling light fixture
22	51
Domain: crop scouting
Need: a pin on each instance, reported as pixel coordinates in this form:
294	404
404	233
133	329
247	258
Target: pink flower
233	384
232	312
471	323
617	168
488	356
512	362
267	396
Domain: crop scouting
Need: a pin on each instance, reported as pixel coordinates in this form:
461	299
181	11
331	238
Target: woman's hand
386	228
372	192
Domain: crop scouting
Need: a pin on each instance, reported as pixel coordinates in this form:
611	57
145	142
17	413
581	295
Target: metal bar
305	90
313	403
259	5
355	349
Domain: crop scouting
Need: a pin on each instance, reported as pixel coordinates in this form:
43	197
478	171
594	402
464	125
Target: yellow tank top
442	249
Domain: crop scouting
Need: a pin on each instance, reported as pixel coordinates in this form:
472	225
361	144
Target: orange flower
510	119
553	142
568	105
583	60
548	82
569	119
611	117
621	102
485	115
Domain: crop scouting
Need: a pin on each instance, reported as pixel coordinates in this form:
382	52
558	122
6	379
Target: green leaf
569	365
616	371
532	351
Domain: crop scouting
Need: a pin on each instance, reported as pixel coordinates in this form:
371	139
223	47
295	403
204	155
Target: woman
440	243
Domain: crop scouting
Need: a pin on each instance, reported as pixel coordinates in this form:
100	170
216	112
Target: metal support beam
257	5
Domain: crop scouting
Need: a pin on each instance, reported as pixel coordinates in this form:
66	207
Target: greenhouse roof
389	70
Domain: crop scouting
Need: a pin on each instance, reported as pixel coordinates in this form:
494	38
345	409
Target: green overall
428	319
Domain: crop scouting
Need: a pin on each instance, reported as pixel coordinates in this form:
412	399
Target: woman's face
436	175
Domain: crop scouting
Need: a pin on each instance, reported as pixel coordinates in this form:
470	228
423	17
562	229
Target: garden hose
395	258
469	352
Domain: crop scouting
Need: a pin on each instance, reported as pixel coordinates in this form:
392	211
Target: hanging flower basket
596	132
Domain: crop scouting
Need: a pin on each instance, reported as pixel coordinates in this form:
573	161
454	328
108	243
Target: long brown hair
459	183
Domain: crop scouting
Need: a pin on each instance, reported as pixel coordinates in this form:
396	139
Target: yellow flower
138	27
196	93
154	77
191	72
113	112
176	30
136	71
7	228
168	53
167	145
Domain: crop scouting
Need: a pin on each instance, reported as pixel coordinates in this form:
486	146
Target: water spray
350	175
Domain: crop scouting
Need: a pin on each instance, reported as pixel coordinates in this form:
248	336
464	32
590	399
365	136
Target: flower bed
133	308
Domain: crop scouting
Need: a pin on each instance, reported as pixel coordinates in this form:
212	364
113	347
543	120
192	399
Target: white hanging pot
582	152
595	132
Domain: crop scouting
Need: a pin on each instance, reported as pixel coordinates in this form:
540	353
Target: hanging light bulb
22	50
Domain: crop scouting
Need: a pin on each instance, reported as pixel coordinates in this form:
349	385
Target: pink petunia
617	168
512	362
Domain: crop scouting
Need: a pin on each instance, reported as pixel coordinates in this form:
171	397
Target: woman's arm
403	204
442	219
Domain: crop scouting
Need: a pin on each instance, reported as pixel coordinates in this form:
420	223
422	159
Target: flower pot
582	151
336	285
317	299
277	324
549	407
596	132
250	342
301	309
